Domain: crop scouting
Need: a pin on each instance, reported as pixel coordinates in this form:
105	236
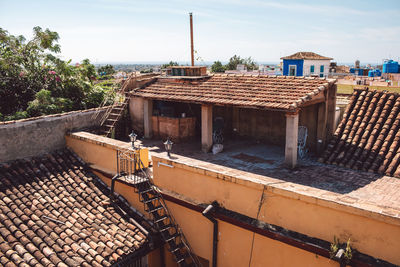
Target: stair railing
129	165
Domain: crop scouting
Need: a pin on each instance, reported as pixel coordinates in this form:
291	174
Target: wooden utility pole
191	37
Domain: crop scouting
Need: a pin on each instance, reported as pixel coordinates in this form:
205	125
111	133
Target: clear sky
143	31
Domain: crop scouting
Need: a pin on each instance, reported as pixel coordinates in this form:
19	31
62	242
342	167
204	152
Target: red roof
254	91
368	137
307	55
51	214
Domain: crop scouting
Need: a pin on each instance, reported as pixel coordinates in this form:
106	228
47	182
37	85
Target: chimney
191	37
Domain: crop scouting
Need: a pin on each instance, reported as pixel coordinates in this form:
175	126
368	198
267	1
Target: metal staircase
120	98
112	116
131	169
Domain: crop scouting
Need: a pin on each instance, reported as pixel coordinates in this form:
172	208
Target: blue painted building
306	64
293	67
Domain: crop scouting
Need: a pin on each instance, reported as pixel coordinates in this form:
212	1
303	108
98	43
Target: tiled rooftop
255	91
368	137
306	55
54	212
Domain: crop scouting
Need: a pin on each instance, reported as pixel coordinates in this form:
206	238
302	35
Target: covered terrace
258	107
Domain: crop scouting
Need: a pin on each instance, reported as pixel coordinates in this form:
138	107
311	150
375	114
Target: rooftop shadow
268	160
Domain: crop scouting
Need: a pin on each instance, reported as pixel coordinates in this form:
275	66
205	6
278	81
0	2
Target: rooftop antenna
191	37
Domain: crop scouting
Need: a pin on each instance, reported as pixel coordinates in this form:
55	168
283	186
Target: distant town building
306	64
357	64
241	67
342	69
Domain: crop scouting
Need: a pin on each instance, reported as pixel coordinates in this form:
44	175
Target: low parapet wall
34	136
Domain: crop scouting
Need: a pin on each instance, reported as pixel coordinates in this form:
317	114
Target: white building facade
306	64
315	67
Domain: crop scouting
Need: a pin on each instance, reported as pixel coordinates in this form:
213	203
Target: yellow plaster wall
203	188
372	237
100	152
98	156
267	252
235	244
378	238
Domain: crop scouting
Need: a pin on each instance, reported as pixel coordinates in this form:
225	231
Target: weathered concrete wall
136	113
264	125
30	137
309	118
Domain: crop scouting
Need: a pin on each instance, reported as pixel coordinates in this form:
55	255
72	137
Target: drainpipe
112	197
208	213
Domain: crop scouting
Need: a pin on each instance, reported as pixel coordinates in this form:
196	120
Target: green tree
170	64
34	81
217	67
24	67
236	60
106	70
44	104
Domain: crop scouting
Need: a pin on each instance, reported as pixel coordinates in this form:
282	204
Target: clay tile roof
368	137
307	55
51	214
257	91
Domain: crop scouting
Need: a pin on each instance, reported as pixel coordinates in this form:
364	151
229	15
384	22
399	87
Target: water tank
371	73
378	73
390	66
352	70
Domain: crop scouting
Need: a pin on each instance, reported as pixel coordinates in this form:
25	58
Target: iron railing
130	167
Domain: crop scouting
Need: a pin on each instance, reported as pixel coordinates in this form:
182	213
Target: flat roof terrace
264	164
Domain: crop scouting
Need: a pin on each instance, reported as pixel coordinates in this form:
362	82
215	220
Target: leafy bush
34	82
232	64
106	70
19	115
44	104
217	67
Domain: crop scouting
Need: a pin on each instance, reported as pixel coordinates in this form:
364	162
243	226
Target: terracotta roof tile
50	215
368	137
263	92
306	55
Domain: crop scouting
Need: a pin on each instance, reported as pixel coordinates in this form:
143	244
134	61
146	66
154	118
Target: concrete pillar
321	127
235	122
206	127
147	114
331	110
292	129
136	114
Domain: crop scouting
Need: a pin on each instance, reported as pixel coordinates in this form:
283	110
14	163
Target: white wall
317	65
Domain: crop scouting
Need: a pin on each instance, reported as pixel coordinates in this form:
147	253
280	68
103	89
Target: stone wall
34	136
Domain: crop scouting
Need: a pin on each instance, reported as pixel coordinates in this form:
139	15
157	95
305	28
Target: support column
235	122
292	129
147	114
331	110
206	127
321	127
